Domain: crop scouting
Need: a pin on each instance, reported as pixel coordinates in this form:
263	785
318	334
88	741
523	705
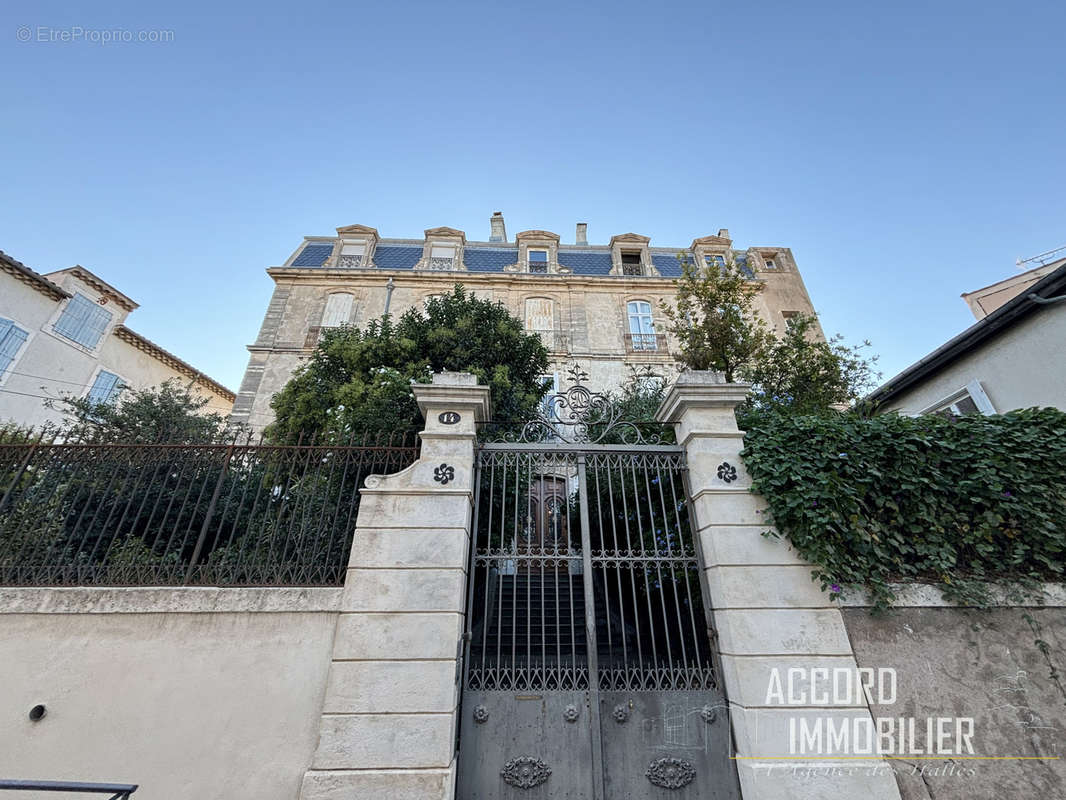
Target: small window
538	261
442	256
641	326
12	337
83	321
631	263
715	260
338	310
351	254
971	399
547	403
770	262
106	388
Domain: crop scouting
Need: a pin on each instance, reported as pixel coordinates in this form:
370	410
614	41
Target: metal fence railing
228	513
118	791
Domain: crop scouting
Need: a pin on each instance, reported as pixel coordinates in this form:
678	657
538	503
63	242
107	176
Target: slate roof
480	258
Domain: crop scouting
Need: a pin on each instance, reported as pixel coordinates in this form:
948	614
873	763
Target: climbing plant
962	502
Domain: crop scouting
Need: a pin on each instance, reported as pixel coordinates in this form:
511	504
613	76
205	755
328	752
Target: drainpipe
389	286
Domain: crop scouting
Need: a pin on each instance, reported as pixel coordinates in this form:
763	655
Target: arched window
338	310
641	326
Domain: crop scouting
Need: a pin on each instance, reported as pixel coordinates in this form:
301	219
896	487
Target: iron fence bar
198	549
21	470
116	790
658	565
588	449
590	632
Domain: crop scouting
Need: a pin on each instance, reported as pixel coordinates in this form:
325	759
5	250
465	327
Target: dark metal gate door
587	670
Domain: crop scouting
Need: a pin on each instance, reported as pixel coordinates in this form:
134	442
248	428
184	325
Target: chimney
498	232
582	233
723	233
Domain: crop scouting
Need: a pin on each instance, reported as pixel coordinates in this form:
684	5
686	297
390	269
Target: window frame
119	386
325	309
973	390
19	351
546	262
62	311
642	340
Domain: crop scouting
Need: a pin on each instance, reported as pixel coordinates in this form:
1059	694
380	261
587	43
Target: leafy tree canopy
715	322
360	380
170	412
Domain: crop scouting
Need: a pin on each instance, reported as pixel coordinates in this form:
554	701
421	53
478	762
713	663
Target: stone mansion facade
598	305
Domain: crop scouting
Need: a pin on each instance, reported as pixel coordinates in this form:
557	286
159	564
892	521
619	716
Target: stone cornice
360	230
446	232
629	238
536	235
700	389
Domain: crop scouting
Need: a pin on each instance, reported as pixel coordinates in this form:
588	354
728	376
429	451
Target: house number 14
449	418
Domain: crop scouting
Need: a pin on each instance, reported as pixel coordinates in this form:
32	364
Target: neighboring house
1012	358
598	305
64	334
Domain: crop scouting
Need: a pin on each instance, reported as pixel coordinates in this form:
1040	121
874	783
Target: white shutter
338	310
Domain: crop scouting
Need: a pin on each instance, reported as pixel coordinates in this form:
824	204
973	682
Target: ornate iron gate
587	669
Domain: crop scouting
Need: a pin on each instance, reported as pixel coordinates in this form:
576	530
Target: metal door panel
666	745
525	747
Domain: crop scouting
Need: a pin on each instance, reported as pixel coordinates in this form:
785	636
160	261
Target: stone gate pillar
389	715
767	613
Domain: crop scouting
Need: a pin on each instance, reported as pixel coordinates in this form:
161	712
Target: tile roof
31	277
481	258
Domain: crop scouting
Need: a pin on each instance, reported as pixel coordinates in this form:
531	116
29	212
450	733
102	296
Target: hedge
962	502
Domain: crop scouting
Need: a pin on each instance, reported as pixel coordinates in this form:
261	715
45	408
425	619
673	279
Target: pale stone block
778	732
404	590
415	509
383	741
739	545
748	680
430	784
816	780
715	506
397	636
369	687
782	631
415	547
765	587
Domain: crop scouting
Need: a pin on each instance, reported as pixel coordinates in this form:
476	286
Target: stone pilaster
389	715
767	612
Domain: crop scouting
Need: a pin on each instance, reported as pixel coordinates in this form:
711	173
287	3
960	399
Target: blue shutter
104	388
83	321
11	339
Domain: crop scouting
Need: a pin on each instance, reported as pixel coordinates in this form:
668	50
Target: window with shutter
105	388
540	319
12	337
338	310
83	321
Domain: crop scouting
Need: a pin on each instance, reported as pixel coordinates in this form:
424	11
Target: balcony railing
646	343
441	264
632	269
350	261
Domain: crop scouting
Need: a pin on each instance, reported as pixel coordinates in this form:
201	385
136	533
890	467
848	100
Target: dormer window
538	261
631	263
770	263
442	257
352	253
715	260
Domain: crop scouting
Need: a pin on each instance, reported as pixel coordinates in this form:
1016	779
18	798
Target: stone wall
188	692
959	662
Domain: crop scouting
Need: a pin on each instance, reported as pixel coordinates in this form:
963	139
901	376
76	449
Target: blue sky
906	152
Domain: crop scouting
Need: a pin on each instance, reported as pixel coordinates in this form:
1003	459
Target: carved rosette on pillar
389	715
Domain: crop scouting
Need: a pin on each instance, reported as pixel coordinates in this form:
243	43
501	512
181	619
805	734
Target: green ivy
961	502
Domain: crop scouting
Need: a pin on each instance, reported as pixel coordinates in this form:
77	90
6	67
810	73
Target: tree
714	318
357	381
805	374
169	412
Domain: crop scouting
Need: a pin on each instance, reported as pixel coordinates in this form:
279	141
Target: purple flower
814	503
835	588
1007	494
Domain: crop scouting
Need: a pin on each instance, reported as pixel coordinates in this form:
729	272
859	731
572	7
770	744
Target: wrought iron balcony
441	264
632	269
646	342
350	261
314	335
